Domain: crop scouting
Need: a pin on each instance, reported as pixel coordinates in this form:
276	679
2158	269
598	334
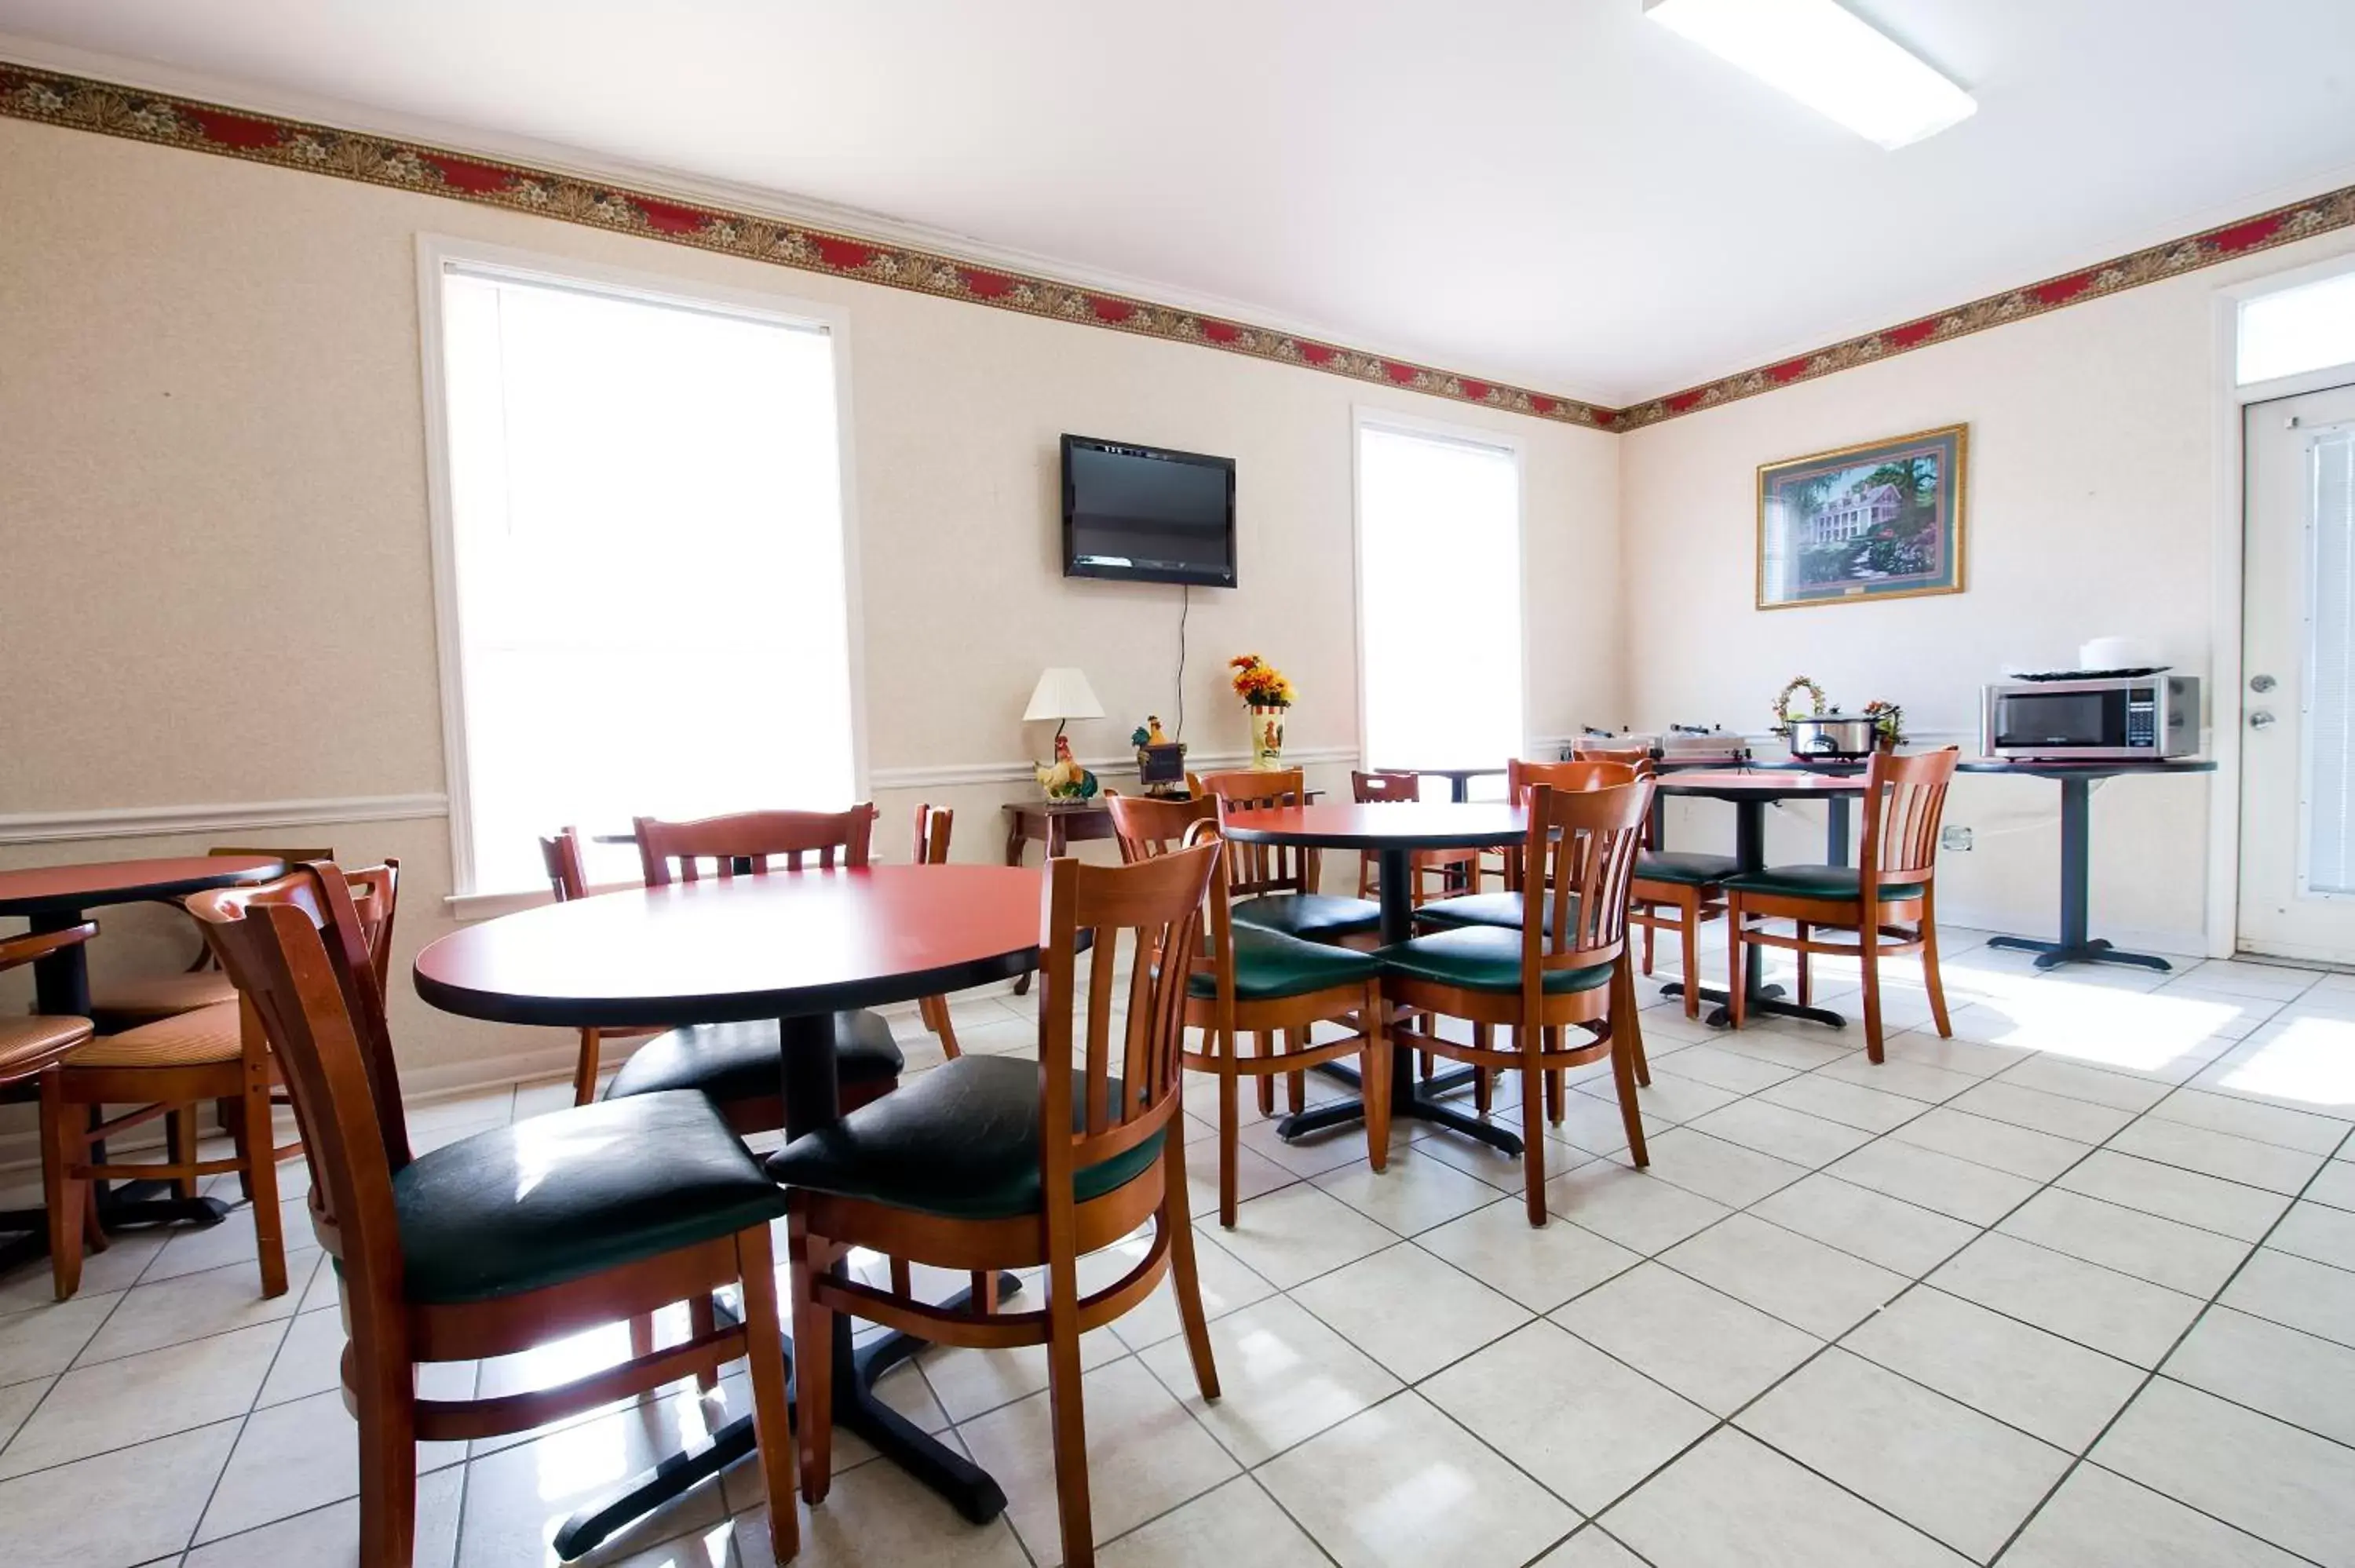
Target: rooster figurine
1064	778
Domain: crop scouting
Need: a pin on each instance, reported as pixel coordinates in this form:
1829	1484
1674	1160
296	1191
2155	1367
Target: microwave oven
2102	719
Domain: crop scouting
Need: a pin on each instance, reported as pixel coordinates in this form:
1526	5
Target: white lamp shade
1062	693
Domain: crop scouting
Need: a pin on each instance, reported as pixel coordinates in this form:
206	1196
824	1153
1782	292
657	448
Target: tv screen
1146	515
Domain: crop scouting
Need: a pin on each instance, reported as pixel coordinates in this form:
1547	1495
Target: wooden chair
134	1000
1265	985
1676	890
735	1065
501	1241
1887	901
170	1067
31	1047
1455	868
993	1161
1274	886
568	878
1625	756
932	848
1566	966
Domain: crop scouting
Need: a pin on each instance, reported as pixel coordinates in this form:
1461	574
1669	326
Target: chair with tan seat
31	1047
171	1066
132	1000
568	878
1887	902
1274	886
502	1241
1266	985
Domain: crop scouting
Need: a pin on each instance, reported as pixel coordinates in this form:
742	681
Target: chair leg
1229	1115
1736	993
260	1172
1649	931
1484	1079
585	1069
1064	1405
701	1321
1184	1282
1525	1041
1626	1053
984	1289
1868	958
384	1396
814	1367
180	1147
1627	1016
1374	1079
641	1337
1295	1084
765	1347
61	1150
1259	1046
1556	1090
1807	971
1689	910
1931	979
903	1279
937	1020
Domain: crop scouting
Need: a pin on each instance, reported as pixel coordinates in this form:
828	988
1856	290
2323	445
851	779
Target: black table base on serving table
1410	1099
807	1046
1764	999
2076	853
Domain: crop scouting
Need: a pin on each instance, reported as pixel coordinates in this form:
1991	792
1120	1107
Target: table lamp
1062	694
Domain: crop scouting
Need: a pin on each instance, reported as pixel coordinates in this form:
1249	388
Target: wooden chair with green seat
31	1047
1566	969
1274	886
1688	883
1455	868
131	1001
1263	984
218	1053
568	878
1887	902
501	1241
994	1161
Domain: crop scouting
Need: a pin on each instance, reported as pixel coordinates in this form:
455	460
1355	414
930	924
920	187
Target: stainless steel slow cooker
1831	738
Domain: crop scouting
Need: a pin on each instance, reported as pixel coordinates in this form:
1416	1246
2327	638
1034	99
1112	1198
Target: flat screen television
1146	515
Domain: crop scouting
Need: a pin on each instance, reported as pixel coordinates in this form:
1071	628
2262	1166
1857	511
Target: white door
2297	754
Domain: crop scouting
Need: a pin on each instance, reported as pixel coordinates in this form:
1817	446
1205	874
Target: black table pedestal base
2094	950
1764	1002
115	1212
965	1484
1413	1105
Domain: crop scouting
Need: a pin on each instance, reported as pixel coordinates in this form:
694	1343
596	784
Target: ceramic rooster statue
1064	778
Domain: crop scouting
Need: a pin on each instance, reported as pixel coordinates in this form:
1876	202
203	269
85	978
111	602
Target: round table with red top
797	947
1393	830
58	898
1752	791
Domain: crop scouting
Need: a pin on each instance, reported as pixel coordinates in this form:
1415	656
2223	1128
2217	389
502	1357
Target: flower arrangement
1783	715
1260	683
1888	722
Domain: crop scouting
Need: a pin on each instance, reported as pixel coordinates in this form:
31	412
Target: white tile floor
2075	1288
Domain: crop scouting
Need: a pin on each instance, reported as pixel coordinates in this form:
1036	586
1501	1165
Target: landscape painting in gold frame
1880	520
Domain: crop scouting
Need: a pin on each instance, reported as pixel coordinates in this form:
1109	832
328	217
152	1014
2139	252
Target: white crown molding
696	189
155	822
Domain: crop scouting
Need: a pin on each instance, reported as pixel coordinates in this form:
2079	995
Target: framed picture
1883	519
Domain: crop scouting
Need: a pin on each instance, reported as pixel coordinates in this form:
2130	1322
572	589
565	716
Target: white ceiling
1554	192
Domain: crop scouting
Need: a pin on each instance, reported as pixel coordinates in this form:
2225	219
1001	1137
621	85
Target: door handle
2260	719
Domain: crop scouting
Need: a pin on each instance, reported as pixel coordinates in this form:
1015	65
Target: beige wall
215	556
2094	458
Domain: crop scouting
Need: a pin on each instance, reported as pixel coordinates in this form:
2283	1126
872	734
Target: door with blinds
2297	783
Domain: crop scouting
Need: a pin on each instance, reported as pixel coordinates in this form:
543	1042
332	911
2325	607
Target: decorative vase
1267	738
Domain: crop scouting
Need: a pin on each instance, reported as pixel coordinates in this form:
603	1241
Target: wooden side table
1057	824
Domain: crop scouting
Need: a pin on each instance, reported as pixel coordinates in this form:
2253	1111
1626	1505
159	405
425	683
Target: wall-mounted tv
1146	515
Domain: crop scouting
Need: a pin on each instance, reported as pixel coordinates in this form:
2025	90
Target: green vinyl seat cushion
735	1062
571	1193
960	1141
1269	965
1678	866
1500	909
1842	884
1317	917
1481	957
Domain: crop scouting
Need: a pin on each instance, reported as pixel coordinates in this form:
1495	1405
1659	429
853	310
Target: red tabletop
1378	824
785	945
55	889
1769	785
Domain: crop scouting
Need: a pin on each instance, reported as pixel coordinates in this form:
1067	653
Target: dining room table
1751	791
797	947
57	898
1391	831
1459	780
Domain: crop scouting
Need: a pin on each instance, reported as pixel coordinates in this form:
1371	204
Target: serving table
1393	830
1751	792
797	947
2077	779
55	897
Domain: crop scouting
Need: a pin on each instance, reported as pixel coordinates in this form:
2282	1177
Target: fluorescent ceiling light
1826	59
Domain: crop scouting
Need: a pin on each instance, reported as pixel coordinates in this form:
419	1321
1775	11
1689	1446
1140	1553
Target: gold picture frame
1878	520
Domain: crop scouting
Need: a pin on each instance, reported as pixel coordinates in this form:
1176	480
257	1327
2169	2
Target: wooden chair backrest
933	825
1390	786
559	851
1583	774
1158	905
828	839
1255	869
1630	755
1905	796
1146	827
1586	839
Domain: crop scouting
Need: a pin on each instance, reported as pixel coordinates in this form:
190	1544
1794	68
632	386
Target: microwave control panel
2142	719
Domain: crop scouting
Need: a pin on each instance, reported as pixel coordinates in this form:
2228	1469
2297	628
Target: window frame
435	253
1362	416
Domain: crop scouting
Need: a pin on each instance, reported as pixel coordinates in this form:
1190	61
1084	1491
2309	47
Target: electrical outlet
1954	838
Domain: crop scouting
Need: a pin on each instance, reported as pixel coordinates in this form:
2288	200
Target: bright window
2310	327
645	598
1439	598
